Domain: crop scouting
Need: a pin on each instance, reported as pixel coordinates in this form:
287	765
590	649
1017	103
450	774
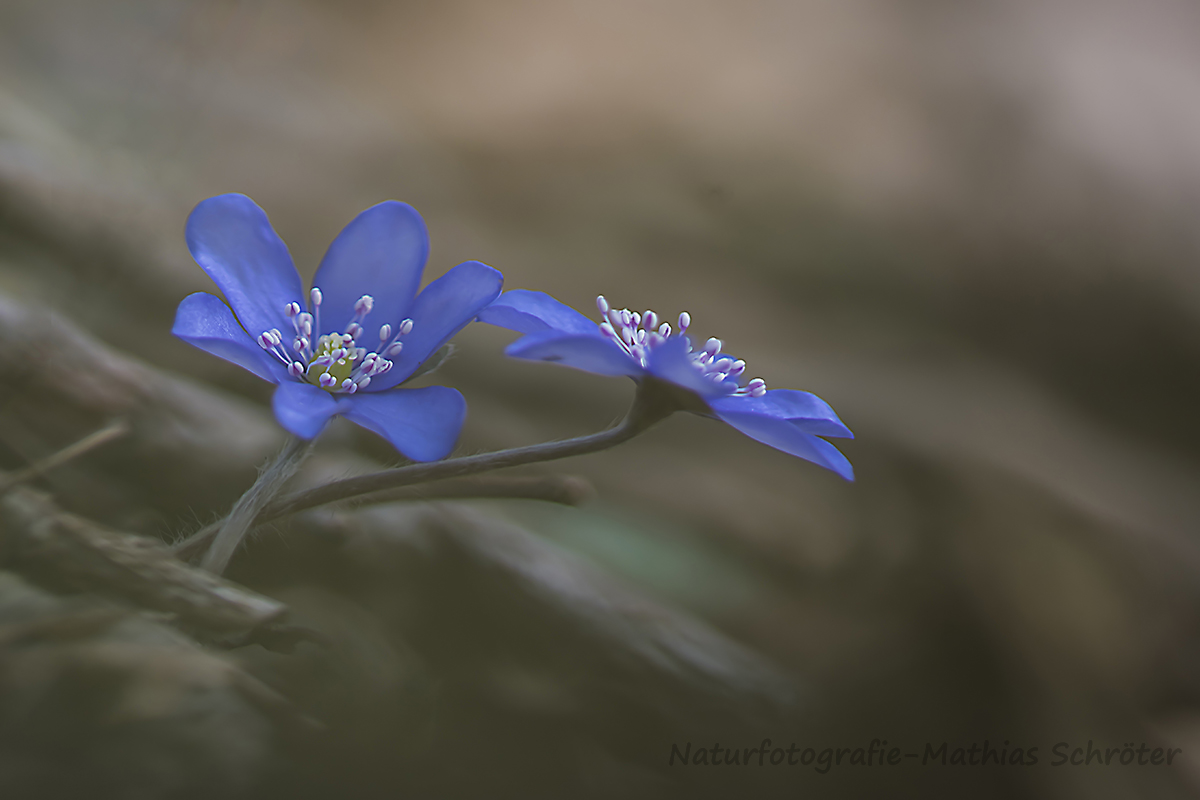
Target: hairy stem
564	489
648	408
234	527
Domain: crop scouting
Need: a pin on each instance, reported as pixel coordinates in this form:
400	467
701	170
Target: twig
88	443
76	554
567	490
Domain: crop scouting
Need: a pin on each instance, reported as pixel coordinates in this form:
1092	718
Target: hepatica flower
345	347
645	348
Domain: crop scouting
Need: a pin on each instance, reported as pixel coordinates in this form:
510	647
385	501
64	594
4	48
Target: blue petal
303	409
382	253
423	424
590	353
783	435
204	321
672	361
442	309
805	411
535	312
233	241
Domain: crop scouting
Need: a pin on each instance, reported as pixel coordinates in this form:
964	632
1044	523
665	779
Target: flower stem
234	527
649	407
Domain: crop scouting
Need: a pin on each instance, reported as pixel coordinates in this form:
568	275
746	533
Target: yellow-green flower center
323	360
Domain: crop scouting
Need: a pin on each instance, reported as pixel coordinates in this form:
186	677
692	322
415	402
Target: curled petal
381	253
442	309
671	362
233	241
587	352
423	424
535	312
783	435
303	409
204	321
807	412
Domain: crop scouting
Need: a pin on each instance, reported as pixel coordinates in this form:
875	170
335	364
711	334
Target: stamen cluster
334	361
638	334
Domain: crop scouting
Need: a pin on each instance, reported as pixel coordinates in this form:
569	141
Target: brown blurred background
970	227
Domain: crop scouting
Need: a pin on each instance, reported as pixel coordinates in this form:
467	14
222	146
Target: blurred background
970	227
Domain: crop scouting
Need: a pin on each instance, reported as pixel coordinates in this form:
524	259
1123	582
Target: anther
649	320
685	319
664	330
385	332
326	380
712	346
406	327
295	369
362	383
291	309
264	340
354	330
393	349
602	304
315	296
364	304
346	384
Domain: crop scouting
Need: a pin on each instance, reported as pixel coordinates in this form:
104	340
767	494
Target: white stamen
315	296
602	304
406	327
685	319
385	332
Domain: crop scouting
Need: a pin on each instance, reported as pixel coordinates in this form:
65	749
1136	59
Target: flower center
334	355
638	335
337	364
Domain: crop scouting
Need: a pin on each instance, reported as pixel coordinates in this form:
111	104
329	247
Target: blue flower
364	330
644	348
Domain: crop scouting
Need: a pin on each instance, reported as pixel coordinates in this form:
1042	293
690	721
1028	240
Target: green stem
235	526
649	407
